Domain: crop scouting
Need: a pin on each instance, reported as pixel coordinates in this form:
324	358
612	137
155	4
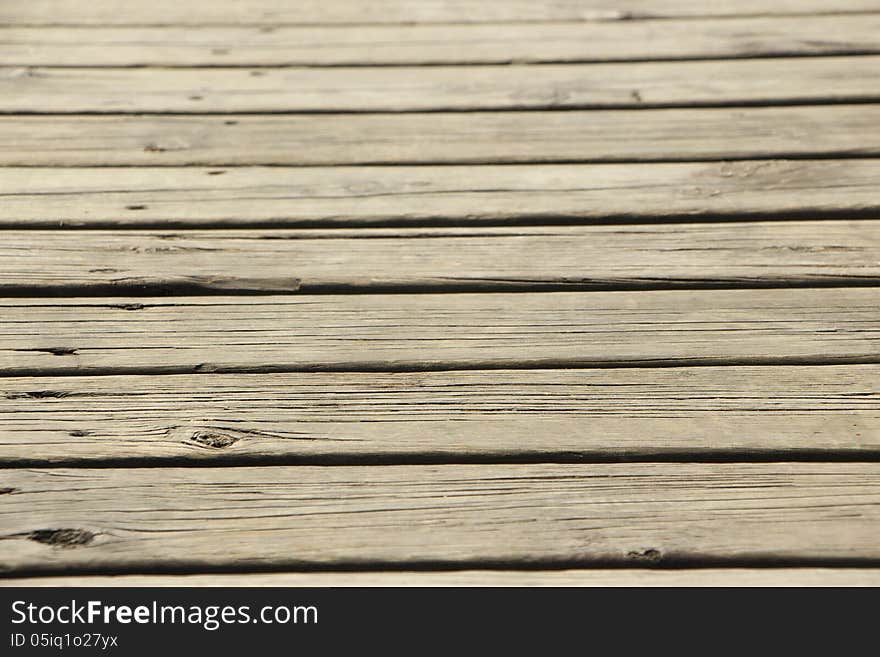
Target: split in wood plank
703	413
616	577
503	43
438	88
439	331
64	520
656	256
318	12
474	137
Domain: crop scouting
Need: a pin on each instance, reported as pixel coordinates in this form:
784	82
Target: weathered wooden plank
316	12
617	577
487	194
439	331
440	88
618	414
440	44
475	137
124	262
290	516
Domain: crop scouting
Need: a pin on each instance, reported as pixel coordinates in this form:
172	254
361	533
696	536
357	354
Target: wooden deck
582	292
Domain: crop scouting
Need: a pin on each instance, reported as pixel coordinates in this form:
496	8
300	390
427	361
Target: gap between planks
403	332
437	89
420	45
196	519
450	138
758	254
684	414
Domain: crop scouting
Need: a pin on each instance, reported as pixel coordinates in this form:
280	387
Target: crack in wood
55	351
37	394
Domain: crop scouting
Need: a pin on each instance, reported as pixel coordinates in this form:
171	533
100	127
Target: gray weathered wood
439	331
440	44
60	520
316	12
358	196
297	382
413	89
477	137
682	413
619	577
577	257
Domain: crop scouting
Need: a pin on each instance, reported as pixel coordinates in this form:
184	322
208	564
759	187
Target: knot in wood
213	439
65	538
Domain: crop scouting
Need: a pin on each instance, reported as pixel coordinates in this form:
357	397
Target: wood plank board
440	88
436	195
616	577
439	331
41	262
317	12
472	137
743	413
61	520
461	43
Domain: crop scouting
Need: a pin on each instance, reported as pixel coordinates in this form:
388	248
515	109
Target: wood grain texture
743	413
457	195
443	259
439	331
616	577
435	195
114	519
461	43
316	12
440	88
478	137
242	295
